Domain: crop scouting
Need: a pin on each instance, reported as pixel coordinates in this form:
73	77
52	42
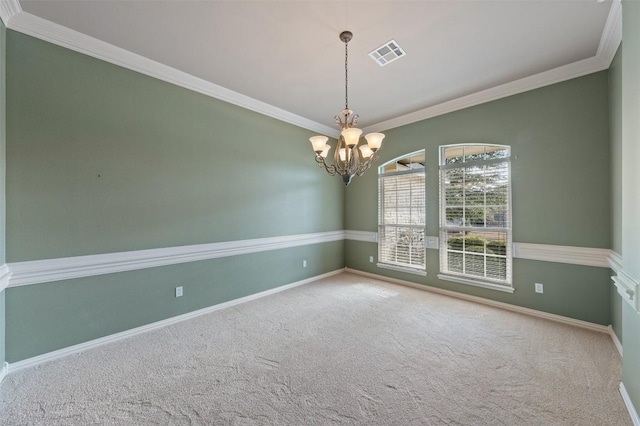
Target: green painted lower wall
562	283
46	317
616	312
3	356
631	359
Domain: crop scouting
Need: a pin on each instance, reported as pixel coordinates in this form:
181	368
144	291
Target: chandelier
349	159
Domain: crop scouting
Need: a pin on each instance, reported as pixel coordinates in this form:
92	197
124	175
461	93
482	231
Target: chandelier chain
346	75
349	159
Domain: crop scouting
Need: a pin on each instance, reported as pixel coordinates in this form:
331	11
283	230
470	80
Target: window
475	215
401	214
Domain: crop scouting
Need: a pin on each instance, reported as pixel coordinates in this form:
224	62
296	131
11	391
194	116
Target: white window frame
384	262
505	285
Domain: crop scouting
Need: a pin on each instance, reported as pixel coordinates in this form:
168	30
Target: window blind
401	233
475	216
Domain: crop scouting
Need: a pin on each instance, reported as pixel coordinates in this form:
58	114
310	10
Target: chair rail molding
585	256
5	275
366	236
49	270
628	286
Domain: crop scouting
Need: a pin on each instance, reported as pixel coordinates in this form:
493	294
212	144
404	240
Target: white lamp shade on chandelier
349	159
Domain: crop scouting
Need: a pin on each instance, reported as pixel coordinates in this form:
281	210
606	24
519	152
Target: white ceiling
287	53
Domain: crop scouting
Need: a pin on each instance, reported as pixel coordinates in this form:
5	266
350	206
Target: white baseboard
50	356
627	401
3	371
527	311
615	339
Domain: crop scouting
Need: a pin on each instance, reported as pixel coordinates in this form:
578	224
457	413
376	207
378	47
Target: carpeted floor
344	350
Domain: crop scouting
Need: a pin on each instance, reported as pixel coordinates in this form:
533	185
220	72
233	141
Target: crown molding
26	23
9	9
612	34
609	42
43	29
546	78
50	270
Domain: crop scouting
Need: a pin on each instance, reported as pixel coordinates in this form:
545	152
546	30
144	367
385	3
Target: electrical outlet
179	291
304	263
371	259
539	288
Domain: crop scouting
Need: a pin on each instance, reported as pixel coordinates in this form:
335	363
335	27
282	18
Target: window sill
475	283
402	269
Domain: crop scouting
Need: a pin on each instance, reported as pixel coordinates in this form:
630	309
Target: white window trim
504	286
476	283
406	269
395	267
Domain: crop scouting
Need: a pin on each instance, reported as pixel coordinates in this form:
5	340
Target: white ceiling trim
556	75
17	20
612	34
609	42
8	9
43	29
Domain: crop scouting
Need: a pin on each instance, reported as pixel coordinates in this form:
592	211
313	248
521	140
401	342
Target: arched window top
408	162
466	153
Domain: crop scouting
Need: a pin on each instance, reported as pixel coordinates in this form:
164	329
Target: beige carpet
345	350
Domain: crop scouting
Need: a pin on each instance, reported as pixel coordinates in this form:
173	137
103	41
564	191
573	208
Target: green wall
561	192
3	127
615	141
102	159
631	191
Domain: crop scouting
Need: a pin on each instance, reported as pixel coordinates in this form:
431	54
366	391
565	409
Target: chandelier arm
330	169
367	164
354	120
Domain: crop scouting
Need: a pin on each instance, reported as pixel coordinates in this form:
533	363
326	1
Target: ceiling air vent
387	53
